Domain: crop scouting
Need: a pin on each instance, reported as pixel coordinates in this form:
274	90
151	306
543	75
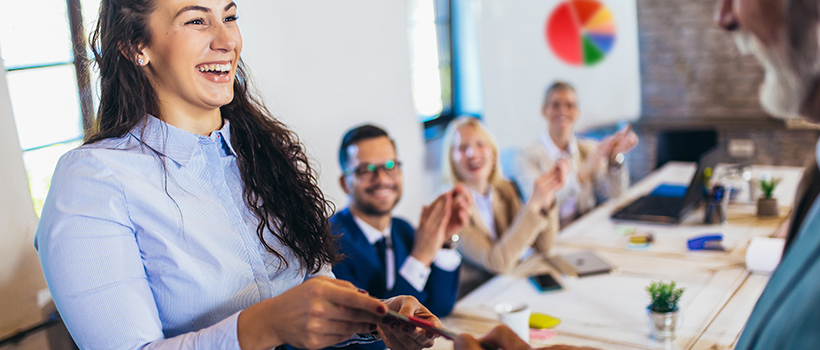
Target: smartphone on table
545	282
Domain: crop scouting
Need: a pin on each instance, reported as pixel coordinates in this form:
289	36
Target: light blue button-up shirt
135	254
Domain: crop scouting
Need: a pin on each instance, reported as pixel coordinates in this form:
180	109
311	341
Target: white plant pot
662	325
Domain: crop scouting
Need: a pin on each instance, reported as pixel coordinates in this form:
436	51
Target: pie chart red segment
563	35
585	9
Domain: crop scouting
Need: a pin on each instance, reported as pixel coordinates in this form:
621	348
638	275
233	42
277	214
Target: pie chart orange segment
563	35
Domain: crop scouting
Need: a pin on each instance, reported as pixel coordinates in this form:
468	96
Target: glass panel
469	85
94	82
442	20
40	166
45	104
34	32
91	10
424	60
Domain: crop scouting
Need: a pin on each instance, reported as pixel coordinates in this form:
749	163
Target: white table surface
609	311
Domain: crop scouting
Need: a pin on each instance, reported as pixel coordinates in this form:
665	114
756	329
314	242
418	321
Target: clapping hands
622	141
443	218
543	192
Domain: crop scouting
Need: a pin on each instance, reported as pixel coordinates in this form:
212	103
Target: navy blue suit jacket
363	267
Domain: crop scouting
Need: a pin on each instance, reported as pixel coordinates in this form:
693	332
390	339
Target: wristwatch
617	160
546	212
452	243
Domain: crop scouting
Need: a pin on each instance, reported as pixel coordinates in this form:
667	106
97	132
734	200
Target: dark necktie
806	194
384	249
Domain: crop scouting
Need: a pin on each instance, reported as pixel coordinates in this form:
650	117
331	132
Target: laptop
670	210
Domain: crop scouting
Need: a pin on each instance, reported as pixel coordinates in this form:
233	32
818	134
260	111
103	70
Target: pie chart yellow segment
602	17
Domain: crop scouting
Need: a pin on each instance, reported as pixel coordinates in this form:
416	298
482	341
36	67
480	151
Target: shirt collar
177	144
225	132
553	151
483	197
372	234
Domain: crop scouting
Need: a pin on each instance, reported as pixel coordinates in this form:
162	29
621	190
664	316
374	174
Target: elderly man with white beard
783	35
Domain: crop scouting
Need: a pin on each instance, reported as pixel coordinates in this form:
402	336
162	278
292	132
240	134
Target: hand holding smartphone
399	319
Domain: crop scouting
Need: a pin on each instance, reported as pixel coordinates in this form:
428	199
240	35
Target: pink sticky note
541	334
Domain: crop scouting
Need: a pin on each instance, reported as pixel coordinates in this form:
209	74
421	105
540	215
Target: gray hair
801	18
556	86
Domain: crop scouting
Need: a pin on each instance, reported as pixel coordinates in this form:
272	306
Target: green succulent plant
665	296
768	186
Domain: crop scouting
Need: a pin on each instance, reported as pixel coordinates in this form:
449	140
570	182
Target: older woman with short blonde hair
501	227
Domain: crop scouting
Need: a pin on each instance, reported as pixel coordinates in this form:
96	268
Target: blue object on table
715	211
711	241
669	190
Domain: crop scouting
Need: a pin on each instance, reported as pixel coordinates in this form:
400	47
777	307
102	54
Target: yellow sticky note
541	321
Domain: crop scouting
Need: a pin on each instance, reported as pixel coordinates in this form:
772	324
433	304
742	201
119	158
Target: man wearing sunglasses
385	255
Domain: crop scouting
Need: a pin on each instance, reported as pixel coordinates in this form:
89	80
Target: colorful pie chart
581	32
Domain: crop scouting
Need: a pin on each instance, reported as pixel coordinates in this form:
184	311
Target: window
43	48
429	34
444	61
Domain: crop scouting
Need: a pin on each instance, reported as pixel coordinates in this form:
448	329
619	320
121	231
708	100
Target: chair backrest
508	157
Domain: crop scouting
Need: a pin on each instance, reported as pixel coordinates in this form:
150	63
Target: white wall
324	66
20	274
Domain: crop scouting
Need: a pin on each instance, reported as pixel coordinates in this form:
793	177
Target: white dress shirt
484	203
566	197
413	270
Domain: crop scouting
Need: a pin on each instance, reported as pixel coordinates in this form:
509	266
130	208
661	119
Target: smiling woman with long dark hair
191	218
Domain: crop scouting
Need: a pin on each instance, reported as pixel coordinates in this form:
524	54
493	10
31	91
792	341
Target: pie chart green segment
581	32
592	54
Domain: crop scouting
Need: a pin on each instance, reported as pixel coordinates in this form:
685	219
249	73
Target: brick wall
692	76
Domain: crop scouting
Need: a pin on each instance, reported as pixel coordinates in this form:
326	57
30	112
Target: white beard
783	92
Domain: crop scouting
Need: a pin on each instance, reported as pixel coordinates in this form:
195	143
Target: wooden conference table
609	311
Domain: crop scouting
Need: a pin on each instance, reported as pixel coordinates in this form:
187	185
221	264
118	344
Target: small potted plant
663	311
766	204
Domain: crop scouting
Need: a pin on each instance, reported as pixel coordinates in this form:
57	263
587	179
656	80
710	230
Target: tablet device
584	263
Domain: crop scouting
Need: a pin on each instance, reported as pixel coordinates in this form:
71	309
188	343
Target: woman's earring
140	61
